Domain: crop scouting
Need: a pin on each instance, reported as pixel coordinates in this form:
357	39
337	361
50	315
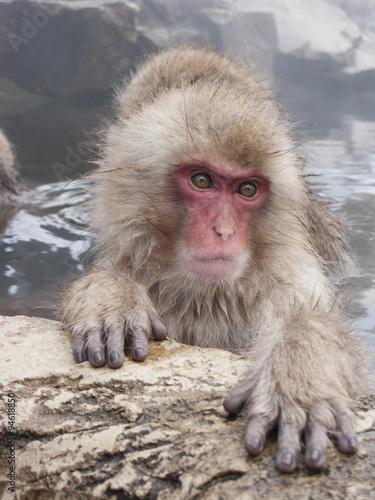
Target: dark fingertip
353	443
315	454
287	459
287	462
230	405
349	445
233	404
97	356
159	331
97	359
115	359
78	356
254	445
139	354
316	459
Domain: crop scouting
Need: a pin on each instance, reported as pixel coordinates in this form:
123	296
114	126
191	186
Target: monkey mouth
216	267
214	259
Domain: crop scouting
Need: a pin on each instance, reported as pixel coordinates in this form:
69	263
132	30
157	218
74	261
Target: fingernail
352	442
114	357
97	357
287	459
139	353
78	357
315	454
255	443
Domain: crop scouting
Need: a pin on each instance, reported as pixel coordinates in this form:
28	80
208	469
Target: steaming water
45	243
343	168
43	247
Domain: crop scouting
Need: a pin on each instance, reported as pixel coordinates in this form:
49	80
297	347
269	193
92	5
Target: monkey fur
193	110
11	185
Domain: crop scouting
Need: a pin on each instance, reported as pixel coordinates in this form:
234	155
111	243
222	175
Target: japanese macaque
207	232
6	153
11	185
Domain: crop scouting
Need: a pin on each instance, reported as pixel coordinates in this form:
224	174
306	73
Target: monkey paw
106	311
314	424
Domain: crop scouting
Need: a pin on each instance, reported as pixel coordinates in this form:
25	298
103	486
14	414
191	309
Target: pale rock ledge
151	430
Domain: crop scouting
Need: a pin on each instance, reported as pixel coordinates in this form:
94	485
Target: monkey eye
247	189
202	181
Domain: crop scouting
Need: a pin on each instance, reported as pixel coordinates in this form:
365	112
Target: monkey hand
300	392
105	311
291	425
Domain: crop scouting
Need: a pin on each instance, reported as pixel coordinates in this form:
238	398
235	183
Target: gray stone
81	48
151	430
66	48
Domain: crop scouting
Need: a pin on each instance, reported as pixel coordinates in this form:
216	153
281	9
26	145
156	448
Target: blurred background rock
60	61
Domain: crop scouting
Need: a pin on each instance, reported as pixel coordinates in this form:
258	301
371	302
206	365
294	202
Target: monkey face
220	202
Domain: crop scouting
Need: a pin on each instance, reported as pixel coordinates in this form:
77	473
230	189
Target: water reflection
43	246
45	243
345	166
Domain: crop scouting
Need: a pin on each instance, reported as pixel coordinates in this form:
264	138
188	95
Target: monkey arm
105	309
301	378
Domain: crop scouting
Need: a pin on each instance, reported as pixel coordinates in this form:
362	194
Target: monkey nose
224	235
224	230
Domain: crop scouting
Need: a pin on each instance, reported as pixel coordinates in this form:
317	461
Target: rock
80	49
61	60
330	33
151	430
66	48
252	35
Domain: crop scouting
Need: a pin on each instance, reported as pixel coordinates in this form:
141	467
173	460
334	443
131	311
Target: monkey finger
288	447
256	433
79	351
95	347
346	437
115	347
234	403
138	342
159	331
316	445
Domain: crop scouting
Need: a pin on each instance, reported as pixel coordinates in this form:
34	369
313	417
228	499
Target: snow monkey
11	185
208	232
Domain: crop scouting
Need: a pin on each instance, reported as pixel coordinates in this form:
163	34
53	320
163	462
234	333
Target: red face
220	203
